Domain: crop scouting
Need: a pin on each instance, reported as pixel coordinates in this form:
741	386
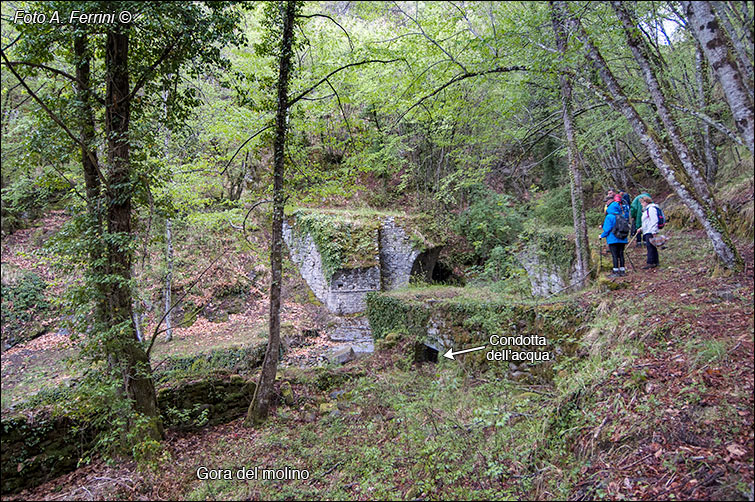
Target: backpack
621	227
661	217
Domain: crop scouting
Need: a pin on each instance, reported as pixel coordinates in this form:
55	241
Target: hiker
649	229
635	213
610	195
616	230
624	196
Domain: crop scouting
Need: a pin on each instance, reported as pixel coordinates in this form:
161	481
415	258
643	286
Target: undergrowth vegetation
454	433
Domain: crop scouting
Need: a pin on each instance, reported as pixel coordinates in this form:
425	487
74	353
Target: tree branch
61	73
56	119
148	73
340	106
457	78
351	46
250	138
324	79
156	331
431	40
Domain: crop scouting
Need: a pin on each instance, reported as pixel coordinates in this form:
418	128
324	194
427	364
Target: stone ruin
393	258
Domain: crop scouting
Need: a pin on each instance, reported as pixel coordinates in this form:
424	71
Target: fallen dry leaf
736	450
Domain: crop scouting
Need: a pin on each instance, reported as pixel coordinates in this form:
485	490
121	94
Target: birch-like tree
698	200
715	43
575	174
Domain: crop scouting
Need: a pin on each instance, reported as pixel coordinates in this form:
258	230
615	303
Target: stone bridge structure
395	257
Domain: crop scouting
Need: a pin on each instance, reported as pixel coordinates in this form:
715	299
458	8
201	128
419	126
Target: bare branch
458	78
250	138
148	73
334	22
159	323
473	31
430	39
55	118
324	79
340	106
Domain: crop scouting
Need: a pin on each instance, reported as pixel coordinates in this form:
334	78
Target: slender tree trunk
575	175
745	65
663	159
133	360
639	50
260	405
168	235
715	45
89	163
696	179
703	98
168	278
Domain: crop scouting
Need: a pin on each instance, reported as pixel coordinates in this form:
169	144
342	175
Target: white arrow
450	354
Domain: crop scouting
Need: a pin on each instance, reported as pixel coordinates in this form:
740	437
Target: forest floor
663	410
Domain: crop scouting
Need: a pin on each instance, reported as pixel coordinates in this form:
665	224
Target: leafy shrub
554	207
20	303
27	198
490	221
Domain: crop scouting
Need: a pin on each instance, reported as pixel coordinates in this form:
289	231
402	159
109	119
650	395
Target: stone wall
209	401
549	257
396	255
345	292
304	254
348	288
37	447
461	318
546	278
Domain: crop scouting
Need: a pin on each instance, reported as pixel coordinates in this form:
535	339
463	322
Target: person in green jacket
635	215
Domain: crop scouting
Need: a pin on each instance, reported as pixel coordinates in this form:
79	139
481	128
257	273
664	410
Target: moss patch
348	239
468	317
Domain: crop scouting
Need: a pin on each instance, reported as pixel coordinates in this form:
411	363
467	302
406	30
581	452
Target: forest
371	250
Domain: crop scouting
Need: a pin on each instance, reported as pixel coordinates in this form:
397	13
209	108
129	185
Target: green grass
705	352
427	431
42	373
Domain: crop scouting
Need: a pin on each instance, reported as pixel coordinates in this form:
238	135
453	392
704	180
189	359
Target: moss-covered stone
38	447
469	317
606	284
231	359
348	239
328	407
215	399
287	393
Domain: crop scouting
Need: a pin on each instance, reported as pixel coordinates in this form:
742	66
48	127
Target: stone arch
424	264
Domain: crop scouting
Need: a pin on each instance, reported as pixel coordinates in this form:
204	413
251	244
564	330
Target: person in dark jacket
635	213
615	244
625	198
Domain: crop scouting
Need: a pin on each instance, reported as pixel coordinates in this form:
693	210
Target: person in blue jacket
615	244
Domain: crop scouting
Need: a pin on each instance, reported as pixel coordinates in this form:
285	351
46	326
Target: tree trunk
695	178
133	360
89	163
715	45
745	66
168	278
703	98
639	50
168	234
260	405
138	318
663	159
575	175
